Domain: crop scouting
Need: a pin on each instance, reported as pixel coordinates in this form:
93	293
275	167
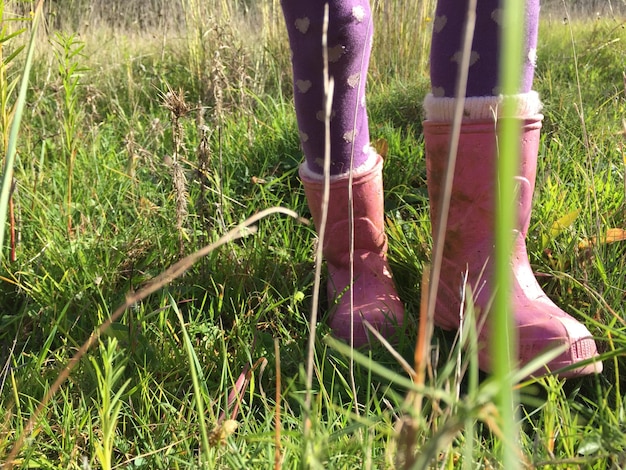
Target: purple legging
350	34
349	44
484	59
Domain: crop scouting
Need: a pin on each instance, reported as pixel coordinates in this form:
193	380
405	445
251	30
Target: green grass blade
7	176
503	342
193	362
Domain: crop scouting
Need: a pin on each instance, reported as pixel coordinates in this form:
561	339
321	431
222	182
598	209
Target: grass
184	349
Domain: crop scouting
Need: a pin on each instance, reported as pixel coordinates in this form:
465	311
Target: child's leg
350	33
373	293
469	235
485	57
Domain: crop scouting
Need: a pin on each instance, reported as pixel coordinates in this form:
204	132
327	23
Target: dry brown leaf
612	235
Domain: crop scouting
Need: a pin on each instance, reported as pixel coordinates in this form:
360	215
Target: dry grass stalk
175	102
131	149
180	192
409	427
327	106
203	154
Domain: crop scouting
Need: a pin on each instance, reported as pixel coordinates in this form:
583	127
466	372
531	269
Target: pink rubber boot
375	297
469	243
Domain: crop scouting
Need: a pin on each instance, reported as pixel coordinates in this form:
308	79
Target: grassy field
142	142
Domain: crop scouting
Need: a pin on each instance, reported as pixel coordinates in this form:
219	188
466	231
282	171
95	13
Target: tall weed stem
69	54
